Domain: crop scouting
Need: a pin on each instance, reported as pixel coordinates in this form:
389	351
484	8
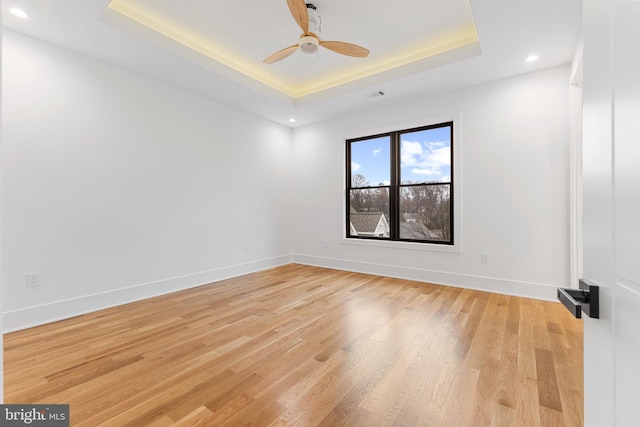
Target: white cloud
439	157
410	153
423	171
355	167
426	159
377	151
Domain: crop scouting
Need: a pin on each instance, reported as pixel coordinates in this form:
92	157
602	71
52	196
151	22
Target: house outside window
400	185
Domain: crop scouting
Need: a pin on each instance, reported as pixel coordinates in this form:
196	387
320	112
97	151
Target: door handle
586	299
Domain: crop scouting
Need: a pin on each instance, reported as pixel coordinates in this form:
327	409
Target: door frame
575	168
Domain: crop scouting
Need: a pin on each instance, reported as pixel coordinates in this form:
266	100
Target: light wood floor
306	346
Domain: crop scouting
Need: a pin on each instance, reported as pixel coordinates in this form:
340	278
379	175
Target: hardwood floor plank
305	346
551	417
548	393
349	404
462	411
503	416
486	390
527	404
266	412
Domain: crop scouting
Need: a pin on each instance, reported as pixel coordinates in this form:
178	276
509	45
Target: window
400	185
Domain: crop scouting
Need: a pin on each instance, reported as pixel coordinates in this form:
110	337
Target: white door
611	185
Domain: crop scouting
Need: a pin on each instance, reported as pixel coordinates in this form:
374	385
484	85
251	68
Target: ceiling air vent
377	94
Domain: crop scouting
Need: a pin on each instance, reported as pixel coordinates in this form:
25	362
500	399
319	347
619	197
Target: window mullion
394	189
348	192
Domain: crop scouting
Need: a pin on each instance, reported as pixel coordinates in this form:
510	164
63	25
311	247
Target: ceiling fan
307	18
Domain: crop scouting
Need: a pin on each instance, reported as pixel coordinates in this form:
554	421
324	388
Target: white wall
514	137
117	187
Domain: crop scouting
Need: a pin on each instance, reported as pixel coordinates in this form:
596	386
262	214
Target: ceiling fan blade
298	9
344	48
281	54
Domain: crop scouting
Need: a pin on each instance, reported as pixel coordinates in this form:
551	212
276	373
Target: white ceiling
239	35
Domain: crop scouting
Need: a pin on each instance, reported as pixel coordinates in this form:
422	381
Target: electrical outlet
484	258
33	280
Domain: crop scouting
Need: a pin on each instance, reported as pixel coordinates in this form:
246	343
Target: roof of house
365	222
415	230
410	216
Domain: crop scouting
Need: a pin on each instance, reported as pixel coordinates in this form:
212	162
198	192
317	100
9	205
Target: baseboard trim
47	313
539	291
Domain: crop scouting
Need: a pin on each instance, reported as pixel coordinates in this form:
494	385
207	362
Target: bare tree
430	205
359	181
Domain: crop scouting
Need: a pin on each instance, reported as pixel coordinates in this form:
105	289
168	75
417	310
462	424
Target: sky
425	157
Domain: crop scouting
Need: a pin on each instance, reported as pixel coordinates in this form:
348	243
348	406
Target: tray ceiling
240	35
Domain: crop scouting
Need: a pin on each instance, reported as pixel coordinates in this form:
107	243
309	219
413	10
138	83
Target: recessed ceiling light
531	58
18	12
292	120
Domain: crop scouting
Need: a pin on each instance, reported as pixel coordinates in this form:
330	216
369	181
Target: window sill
427	247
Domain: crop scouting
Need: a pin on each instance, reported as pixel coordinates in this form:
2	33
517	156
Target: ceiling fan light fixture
308	44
